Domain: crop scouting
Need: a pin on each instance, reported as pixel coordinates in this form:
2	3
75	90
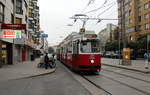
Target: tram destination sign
14	26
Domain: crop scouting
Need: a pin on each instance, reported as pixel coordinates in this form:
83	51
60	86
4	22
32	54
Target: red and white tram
81	52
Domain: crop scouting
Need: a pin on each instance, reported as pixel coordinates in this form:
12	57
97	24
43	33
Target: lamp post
119	47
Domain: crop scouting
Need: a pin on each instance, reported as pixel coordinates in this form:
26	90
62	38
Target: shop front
29	50
6	52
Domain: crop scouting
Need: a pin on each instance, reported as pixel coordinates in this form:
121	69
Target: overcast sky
54	16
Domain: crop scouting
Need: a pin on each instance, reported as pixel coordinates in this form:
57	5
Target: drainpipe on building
0	51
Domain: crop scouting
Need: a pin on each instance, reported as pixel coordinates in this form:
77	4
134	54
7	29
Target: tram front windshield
89	46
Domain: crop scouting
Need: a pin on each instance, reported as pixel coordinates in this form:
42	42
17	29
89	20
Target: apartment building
134	18
18	12
105	35
6	45
34	25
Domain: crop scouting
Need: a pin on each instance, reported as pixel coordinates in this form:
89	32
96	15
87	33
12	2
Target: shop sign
14	26
11	34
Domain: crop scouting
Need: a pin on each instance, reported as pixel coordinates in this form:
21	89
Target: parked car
107	54
110	54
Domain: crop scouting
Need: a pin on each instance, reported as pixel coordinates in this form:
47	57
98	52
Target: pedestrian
147	59
46	60
53	55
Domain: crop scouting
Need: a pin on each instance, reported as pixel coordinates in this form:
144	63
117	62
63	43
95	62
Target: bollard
146	64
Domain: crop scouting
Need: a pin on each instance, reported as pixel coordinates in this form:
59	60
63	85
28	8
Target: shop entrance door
23	55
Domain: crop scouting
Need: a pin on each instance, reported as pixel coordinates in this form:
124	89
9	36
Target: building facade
18	12
105	35
6	45
134	18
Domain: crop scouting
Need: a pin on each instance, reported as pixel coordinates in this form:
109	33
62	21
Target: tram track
127	75
76	76
97	86
108	90
132	87
112	79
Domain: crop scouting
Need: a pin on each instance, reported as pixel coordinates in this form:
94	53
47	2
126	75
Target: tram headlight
92	61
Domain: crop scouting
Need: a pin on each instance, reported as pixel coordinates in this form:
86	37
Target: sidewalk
20	70
136	65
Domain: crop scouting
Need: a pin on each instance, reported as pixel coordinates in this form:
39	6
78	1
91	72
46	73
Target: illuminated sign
11	34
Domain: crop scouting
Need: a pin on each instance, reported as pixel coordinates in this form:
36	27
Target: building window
31	25
146	26
130	21
146	16
12	18
19	7
26	18
139	9
12	1
26	5
146	6
1	13
139	27
18	21
30	13
139	18
129	12
130	3
139	1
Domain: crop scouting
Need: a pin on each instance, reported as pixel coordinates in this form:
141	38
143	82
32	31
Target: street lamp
119	46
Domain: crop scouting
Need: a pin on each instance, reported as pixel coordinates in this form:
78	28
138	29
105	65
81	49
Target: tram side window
69	48
61	50
75	48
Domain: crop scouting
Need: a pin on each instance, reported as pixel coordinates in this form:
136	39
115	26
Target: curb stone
36	75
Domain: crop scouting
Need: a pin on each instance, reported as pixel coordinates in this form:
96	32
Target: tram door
75	52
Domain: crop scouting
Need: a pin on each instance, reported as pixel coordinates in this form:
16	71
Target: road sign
43	36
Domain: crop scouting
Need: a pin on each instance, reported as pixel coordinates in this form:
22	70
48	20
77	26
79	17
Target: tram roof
75	36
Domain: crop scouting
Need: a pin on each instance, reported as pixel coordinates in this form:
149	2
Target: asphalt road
116	81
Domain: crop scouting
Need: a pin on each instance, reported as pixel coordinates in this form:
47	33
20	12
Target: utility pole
119	47
148	38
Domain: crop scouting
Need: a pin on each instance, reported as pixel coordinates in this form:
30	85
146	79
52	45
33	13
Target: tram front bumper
89	67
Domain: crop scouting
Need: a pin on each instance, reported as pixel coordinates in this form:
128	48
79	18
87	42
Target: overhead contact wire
106	9
99	8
